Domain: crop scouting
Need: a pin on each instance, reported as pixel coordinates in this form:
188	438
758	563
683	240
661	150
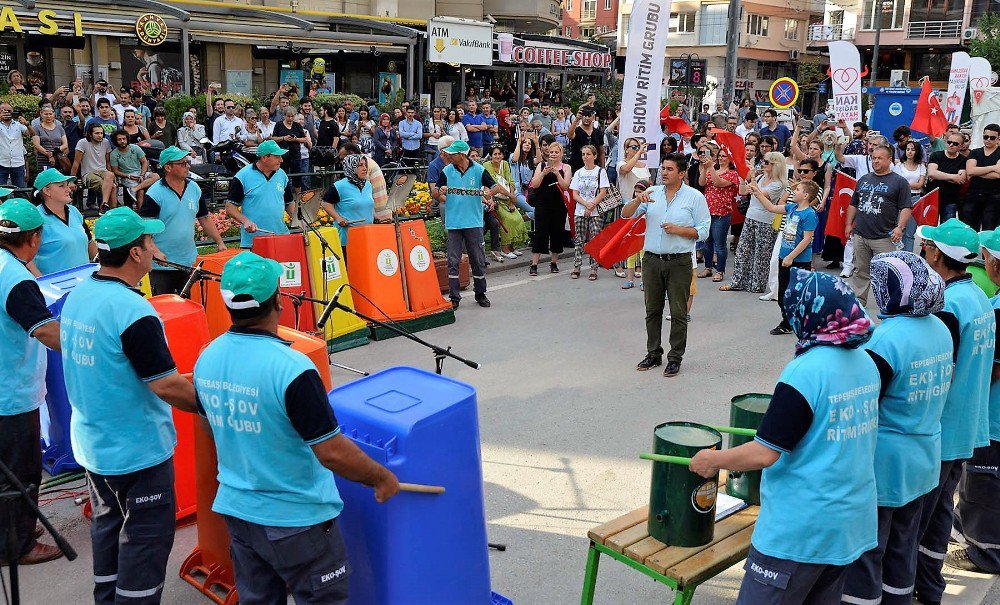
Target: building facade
589	19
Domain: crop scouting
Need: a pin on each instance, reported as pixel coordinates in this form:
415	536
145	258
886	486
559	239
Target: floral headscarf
904	284
351	164
823	310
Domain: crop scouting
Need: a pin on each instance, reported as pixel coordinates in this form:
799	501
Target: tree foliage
987	45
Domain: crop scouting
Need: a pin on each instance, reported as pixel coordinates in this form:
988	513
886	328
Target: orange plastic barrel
373	264
207	292
421	278
290	251
209	568
186	329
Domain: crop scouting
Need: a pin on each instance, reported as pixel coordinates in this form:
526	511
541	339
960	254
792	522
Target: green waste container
978	271
682	503
746	412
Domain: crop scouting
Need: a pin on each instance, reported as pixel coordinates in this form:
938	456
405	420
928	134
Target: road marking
521	282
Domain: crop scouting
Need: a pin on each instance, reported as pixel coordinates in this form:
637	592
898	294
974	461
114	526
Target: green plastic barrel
978	271
682	503
746	412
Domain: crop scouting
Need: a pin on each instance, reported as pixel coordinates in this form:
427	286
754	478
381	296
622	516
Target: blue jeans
718	233
948	211
14	175
523	204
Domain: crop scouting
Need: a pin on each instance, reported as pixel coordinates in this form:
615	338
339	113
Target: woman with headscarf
190	135
816	446
913	351
349	200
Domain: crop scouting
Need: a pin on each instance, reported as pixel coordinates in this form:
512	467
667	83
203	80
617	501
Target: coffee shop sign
47	23
558	57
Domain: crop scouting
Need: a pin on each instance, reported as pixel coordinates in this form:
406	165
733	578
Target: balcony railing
934	29
829	33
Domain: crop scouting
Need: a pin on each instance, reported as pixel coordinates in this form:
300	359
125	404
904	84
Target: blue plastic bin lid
55	285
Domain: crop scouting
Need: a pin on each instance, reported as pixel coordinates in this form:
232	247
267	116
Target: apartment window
712	24
791	29
891	14
586	32
607	5
589	9
939	10
682	23
569	32
757	25
768	70
569	5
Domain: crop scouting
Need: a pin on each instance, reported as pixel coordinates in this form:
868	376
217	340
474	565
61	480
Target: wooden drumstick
421	489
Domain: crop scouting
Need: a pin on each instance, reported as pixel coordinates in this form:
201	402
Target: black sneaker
483	301
454	304
553	268
780	330
918	598
533	271
104	208
673	368
649	362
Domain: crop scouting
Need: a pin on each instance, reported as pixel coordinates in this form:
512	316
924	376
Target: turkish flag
675	124
618	241
929	117
925	211
836	220
733	145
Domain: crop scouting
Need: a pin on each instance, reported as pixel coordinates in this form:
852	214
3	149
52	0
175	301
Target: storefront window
148	68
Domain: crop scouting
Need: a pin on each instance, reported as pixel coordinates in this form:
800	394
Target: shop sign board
151	29
239	81
459	41
561	57
49	23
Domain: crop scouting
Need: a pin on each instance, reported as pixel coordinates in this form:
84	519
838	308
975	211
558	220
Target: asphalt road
563	417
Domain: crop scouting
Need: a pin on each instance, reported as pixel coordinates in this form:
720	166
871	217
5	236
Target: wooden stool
626	540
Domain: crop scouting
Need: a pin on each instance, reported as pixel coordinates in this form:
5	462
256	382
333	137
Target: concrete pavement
563	417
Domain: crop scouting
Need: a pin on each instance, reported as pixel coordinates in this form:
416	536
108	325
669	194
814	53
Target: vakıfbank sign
459	41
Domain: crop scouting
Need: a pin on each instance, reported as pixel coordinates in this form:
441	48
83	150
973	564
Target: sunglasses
989	137
180	163
954	143
927	244
230	107
634	147
805	170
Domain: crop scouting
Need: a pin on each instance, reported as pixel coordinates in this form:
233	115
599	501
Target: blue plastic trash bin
417	549
57	453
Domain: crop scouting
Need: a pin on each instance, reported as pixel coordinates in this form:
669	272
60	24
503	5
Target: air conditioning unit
970	33
793	55
899	78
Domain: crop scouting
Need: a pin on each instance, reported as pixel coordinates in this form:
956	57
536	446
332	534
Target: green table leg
590	576
684	595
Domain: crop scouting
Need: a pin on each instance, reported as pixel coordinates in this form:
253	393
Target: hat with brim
21	212
458	147
270	148
990	241
122	226
953	238
248	280
172	154
49	176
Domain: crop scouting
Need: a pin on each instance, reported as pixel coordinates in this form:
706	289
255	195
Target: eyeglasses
230	107
990	137
805	170
634	147
954	143
927	244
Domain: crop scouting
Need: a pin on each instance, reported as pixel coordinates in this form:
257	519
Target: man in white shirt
225	126
102	90
11	147
124	103
749	121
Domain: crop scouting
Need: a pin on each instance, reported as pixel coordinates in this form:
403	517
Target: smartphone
844	139
76	99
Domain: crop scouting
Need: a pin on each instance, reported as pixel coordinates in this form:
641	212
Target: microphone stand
20	492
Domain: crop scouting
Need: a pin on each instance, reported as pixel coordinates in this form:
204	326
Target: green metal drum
682	503
746	412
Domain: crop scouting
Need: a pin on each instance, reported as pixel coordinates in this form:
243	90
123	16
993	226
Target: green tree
987	45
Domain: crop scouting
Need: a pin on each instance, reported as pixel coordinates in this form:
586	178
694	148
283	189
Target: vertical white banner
958	81
980	74
845	74
647	45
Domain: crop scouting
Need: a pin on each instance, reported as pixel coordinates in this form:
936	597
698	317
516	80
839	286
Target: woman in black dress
548	184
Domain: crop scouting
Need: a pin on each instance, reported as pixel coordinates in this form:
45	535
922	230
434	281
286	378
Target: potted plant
439	238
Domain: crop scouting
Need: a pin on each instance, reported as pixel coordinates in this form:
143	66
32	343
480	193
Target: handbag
612	200
743	204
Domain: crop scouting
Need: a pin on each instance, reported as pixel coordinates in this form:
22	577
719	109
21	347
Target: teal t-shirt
129	161
64	244
796	224
118	425
353	204
178	214
965	421
261	199
908	452
995	389
818	501
22	357
268	473
464	210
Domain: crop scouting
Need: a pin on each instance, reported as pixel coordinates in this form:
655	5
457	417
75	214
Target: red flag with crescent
618	241
675	124
929	118
925	211
735	148
843	191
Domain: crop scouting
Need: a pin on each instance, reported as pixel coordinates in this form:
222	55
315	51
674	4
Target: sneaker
959	559
510	255
673	369
553	268
104	208
518	253
454	305
768	296
780	330
533	271
482	301
648	362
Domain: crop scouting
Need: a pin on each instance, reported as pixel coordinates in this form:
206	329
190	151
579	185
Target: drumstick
421	489
733	430
668	459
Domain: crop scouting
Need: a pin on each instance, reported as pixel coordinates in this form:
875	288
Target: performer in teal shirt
914	352
949	248
822	422
279	445
349	200
25	326
121	382
260	194
66	240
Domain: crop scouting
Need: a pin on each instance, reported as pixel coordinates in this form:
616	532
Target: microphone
195	276
329	308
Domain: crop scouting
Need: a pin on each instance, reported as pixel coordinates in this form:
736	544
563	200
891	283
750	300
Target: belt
667	256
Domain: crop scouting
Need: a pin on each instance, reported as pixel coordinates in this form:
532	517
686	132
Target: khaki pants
864	250
667	278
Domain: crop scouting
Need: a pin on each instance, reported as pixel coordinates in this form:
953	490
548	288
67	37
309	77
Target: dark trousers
269	562
20	435
550	228
411	157
980	210
491	224
978	514
666	276
773	581
785	276
471	240
167	281
886	572
131	534
15	176
936	519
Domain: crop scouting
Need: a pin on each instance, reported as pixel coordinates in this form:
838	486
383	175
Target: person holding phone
290	136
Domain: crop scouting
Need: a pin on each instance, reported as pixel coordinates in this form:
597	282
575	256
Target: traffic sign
784	92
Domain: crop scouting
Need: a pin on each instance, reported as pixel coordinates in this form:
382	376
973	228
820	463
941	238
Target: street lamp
886	7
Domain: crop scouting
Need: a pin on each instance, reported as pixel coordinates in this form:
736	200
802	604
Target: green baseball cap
990	240
49	176
172	154
269	148
458	147
21	212
122	226
953	238
252	277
